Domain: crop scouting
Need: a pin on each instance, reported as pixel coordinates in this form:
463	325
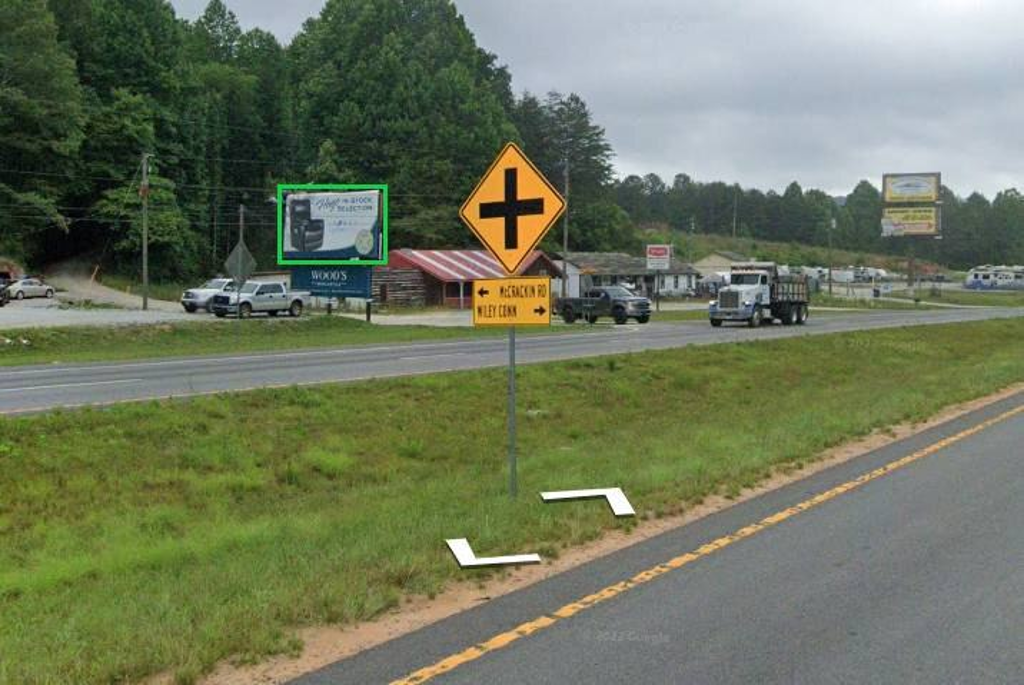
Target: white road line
615	496
31	388
466	558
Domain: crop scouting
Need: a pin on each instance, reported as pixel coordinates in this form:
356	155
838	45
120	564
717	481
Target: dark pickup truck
609	300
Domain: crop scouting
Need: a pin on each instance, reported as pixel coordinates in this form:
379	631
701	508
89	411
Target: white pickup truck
259	296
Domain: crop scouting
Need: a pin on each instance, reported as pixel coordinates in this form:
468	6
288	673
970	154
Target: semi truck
757	293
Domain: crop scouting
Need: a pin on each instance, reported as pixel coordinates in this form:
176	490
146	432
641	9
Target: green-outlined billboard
332	224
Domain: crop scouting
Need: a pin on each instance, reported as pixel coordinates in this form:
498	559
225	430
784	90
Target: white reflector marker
616	498
467	559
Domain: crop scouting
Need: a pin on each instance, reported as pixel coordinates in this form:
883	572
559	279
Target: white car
29	287
201	297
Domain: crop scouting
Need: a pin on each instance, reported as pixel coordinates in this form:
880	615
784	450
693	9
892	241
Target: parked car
29	287
201	297
257	296
610	300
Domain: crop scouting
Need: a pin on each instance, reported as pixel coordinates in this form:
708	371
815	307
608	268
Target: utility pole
144	192
565	228
831	228
241	241
689	243
735	204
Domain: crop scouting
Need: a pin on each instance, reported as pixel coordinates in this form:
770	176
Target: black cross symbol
511	208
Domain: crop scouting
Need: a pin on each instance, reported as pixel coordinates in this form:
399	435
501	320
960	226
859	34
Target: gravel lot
38	313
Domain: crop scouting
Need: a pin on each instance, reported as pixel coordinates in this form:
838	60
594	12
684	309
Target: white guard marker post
616	498
467	559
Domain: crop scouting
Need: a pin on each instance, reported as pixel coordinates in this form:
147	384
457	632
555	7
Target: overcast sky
764	93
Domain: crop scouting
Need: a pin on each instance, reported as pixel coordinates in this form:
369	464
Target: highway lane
40	388
901	566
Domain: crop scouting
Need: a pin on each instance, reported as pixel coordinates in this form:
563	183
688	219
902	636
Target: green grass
170	535
678	315
824	300
104	343
989	298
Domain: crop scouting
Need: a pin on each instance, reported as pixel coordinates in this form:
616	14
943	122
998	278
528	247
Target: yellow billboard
897	221
910	188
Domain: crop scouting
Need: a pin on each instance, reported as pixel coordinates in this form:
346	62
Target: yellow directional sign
518	301
512	208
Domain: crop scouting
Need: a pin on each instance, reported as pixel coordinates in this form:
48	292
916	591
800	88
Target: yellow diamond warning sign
512	208
521	301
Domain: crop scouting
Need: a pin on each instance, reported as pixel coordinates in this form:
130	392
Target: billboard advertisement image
332	225
899	221
910	188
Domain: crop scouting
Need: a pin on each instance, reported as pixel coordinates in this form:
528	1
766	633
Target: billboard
659	257
335	225
334	281
910	188
900	221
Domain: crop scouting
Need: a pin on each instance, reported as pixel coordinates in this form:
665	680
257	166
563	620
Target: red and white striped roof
456	265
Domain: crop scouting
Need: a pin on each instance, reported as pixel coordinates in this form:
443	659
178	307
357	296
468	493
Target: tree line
393	91
974	229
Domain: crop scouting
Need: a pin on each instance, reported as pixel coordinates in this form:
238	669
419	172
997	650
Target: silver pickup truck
259	296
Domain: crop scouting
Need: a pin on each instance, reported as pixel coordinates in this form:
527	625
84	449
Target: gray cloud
763	93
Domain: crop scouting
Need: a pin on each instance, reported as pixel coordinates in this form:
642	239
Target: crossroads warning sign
519	301
512	208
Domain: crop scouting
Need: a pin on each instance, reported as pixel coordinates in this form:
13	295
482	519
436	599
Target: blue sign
334	281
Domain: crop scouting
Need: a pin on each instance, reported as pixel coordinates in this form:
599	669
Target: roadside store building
417	278
587	269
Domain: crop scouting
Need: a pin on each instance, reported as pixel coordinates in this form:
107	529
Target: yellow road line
505	639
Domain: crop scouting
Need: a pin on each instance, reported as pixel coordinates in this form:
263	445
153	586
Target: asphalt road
912	574
39	388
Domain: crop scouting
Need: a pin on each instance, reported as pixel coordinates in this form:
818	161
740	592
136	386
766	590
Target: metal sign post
513	484
510	210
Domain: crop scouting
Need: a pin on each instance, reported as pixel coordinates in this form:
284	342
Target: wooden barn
417	278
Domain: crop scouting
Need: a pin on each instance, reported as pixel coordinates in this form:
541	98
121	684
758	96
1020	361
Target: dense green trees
974	231
41	124
393	91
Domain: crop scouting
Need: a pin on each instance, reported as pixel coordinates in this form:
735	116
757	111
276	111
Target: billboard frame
287	188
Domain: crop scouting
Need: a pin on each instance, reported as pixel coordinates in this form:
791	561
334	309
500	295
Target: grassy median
171	535
977	298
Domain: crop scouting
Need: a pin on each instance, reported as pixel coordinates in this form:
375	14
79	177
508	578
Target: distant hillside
700	245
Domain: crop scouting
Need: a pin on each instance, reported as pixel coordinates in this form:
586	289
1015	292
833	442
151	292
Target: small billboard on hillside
911	204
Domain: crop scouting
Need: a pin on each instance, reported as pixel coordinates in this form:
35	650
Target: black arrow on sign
483	292
539	311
